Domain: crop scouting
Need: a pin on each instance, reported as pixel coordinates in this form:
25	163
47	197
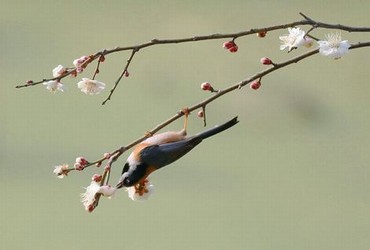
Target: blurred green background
293	174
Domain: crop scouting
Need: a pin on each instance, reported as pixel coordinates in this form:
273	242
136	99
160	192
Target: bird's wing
161	155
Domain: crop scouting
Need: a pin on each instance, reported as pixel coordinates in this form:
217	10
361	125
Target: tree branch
135	48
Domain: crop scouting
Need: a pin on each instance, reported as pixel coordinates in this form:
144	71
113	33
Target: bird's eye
127	182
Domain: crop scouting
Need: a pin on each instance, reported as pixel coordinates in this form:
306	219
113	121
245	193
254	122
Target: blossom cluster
333	47
138	192
86	85
89	197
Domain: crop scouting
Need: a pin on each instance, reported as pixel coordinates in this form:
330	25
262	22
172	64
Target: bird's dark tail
217	129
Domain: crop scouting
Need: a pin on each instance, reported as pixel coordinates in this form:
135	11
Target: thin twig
124	72
96	70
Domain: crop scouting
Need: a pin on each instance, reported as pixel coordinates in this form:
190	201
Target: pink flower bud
79	63
102	58
266	61
107	155
200	114
127	74
79	167
255	85
79	70
206	86
29	82
96	177
82	160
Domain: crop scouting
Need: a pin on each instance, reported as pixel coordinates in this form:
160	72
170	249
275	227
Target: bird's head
132	174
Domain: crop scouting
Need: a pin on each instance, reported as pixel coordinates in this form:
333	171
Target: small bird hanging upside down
160	150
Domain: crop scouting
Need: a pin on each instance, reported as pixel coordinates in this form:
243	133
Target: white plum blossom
91	87
61	171
107	190
334	46
139	192
58	70
88	198
54	85
295	39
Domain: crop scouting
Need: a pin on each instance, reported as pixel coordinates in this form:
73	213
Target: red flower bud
231	46
206	86
266	61
255	85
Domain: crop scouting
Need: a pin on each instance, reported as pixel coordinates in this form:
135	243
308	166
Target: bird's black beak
119	185
122	180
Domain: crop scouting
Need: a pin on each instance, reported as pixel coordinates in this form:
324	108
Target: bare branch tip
105	101
306	17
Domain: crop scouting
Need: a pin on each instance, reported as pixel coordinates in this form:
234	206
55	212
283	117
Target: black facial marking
125	168
135	176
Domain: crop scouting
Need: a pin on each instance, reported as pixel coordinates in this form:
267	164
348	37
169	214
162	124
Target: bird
161	150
